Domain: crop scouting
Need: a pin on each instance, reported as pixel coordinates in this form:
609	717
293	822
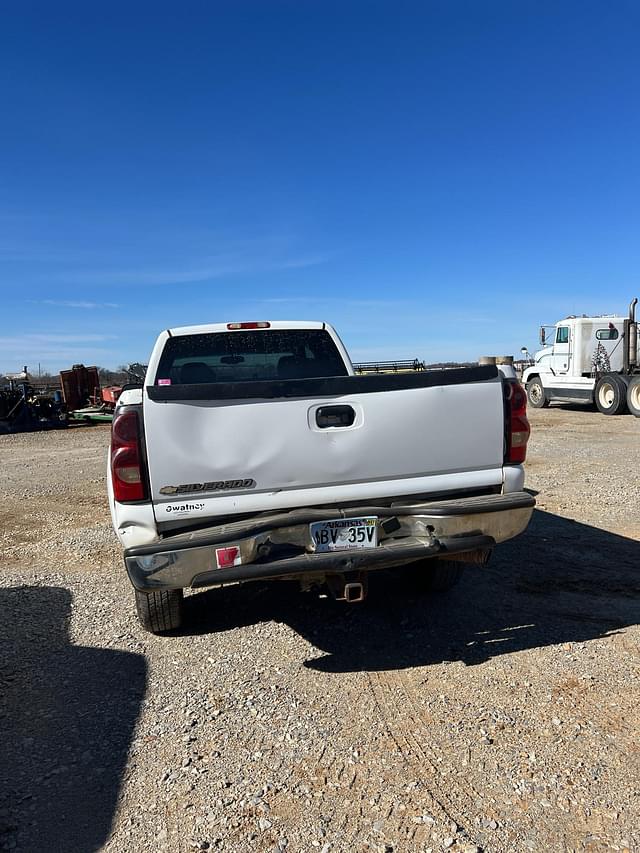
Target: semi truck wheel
536	394
611	394
160	611
633	396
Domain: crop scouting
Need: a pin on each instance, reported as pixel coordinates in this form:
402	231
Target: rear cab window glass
247	356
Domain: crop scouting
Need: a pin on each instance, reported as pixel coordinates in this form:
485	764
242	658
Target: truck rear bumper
279	545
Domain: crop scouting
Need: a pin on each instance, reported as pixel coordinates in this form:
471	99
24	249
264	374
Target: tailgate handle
335	416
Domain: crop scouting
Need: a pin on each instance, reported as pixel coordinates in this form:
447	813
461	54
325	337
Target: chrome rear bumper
280	545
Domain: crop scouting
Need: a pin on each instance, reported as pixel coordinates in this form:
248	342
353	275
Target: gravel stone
500	716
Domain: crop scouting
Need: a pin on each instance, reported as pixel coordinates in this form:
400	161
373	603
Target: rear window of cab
249	356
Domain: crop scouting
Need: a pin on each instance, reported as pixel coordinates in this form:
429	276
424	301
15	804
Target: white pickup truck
254	452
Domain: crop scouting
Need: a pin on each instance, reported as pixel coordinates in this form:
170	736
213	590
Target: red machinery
84	397
110	394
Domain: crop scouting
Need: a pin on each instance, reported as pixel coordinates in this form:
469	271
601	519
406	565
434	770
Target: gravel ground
502	716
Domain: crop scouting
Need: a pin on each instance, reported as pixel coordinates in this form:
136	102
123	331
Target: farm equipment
389	366
23	408
84	397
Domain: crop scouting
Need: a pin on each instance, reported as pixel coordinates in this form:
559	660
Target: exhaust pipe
633	334
630	352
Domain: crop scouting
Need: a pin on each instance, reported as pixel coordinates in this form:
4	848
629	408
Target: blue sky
434	178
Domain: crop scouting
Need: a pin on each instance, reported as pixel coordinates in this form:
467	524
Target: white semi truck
588	360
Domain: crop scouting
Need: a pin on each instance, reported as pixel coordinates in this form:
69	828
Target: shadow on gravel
575	407
67	715
560	582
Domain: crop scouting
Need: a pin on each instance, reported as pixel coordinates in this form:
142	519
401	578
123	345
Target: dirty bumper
280	545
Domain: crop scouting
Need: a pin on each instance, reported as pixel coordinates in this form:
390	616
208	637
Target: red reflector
261	325
126	459
227	557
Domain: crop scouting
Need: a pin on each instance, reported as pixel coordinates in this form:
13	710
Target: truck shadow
67	715
560	582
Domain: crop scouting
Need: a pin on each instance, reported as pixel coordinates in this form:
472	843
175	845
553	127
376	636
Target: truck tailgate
213	450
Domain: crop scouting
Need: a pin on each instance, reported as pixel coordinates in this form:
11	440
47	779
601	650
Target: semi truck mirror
542	336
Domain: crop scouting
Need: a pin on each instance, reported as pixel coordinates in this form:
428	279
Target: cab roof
595	318
224	327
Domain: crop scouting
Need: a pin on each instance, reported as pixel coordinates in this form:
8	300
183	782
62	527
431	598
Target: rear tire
436	575
633	396
611	394
160	611
536	395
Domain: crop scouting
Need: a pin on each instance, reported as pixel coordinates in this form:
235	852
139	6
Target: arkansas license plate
341	534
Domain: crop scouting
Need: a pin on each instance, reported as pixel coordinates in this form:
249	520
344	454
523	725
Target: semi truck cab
587	360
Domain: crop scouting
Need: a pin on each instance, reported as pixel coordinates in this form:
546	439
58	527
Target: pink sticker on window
164	382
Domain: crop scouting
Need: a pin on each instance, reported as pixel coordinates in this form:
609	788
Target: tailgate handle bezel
335	417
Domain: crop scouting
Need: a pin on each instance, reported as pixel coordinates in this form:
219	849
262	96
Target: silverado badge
213	486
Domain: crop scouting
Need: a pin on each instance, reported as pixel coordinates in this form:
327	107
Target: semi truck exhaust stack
633	334
631	338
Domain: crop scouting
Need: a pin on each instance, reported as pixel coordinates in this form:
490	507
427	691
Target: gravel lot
502	716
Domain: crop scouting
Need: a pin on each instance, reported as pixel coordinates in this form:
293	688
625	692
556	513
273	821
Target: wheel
633	396
611	394
536	394
436	575
160	611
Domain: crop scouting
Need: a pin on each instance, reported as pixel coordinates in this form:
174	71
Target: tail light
127	473
517	424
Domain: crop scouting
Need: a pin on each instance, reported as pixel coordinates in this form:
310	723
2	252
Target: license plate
342	534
